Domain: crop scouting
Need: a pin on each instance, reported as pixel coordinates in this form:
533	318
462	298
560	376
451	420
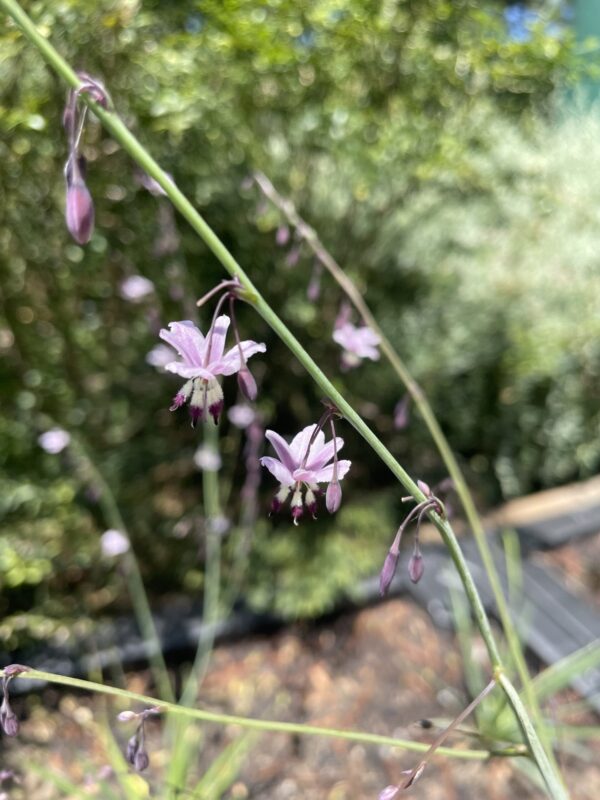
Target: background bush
417	137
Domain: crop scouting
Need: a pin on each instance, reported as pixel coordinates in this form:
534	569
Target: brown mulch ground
379	670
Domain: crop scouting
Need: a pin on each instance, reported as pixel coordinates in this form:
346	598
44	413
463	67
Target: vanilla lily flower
358	343
202	360
301	466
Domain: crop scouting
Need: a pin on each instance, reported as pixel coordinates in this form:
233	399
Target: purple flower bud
416	566
141	760
389	793
8	719
282	236
79	211
424	487
333	496
126	716
402	413
247	384
387	573
292	257
133	745
313	290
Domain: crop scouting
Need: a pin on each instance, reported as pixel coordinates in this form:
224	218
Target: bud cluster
416	566
135	752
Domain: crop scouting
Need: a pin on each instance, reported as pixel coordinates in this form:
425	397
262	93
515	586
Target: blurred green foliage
405	133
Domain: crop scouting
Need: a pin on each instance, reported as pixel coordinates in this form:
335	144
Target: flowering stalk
392	792
131	145
256	724
416	393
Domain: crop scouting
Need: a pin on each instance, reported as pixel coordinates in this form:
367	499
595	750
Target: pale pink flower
301	466
357	343
113	543
54	440
136	288
159	357
201	361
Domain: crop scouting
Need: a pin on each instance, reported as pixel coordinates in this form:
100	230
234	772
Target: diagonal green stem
310	236
260	724
131	570
143	158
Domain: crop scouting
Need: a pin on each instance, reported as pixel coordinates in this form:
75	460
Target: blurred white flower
207	459
136	288
241	415
54	441
113	543
159	357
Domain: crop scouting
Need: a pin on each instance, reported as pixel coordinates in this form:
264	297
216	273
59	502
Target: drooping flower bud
333	496
8	719
247	384
79	209
402	413
132	747
141	760
416	566
388	571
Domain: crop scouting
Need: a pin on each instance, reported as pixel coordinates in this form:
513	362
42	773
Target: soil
379	669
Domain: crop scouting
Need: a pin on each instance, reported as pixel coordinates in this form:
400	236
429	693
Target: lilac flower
54	441
302	466
207	459
201	361
358	343
159	356
136	288
241	415
113	543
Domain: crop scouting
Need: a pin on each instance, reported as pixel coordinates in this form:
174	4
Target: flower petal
276	468
230	362
320	456
300	442
282	449
216	336
180	368
325	475
187	340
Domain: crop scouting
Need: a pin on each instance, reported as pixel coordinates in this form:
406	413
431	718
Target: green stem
310	236
210	611
131	571
259	724
142	157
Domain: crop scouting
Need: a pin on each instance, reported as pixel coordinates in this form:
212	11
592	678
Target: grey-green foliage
376	118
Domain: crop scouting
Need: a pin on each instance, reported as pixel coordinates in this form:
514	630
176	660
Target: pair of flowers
301	465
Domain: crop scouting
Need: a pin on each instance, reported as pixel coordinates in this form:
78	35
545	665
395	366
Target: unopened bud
389	793
8	719
247	384
333	496
387	573
424	487
141	760
133	745
79	211
402	413
416	567
282	236
126	716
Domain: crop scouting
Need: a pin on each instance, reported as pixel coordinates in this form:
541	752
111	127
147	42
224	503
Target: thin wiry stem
309	235
259	724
